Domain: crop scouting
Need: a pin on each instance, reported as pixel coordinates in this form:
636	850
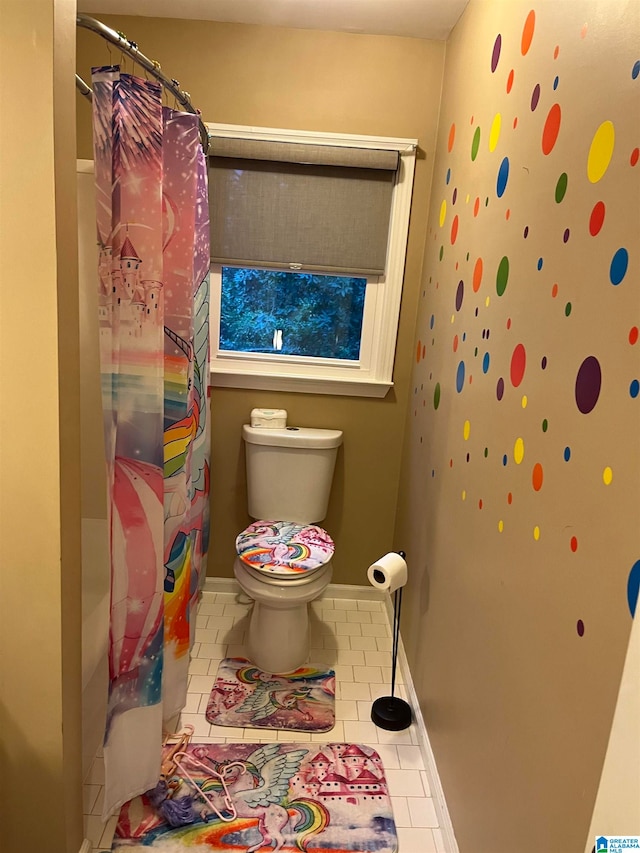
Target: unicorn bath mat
277	796
244	696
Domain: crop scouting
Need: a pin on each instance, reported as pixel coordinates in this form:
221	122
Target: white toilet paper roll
389	573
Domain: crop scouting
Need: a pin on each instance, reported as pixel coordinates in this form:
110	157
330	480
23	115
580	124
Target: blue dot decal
448	178
540	262
567	454
504	459
619	264
634	388
485	362
432	321
503	177
633	587
460	377
635	70
555	83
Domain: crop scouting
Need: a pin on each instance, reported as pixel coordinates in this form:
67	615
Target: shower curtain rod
131	48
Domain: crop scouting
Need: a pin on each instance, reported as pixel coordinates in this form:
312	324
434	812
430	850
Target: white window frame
372	374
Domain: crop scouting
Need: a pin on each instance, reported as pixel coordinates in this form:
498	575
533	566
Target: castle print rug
280	796
246	697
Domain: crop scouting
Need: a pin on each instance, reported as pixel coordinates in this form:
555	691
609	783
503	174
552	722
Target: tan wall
39	463
321	81
517	643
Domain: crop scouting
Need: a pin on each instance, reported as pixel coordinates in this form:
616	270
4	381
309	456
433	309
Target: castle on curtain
153	234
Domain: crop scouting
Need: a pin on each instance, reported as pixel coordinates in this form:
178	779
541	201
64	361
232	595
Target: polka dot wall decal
455	343
476	206
487	301
561	187
480	504
556	51
536	532
443	211
566	235
597	218
503	177
543	363
454	229
619	264
436	396
633	587
495	54
537	476
573	544
567	309
607	476
535	97
551	129
634	388
464	495
452	136
432	321
545	425
518	451
477	275
475	144
524	401
567	454
418	351
466	430
486	452
508	322
525	233
554	291
485	362
494	133
588	384
441	252
509	498
633	335
448	176
580	627
601	151
510	81
502	276
635	70
556	80
454	196
500	389
527	32
583	31
515	122
635	155
518	365
460	377
500	526
540	263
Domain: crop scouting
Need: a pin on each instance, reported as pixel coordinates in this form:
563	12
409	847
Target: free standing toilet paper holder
391	712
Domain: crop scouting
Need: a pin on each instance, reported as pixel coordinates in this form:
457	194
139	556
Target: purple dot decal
588	384
459	295
495	56
543	363
580	628
460	377
633	587
535	97
525	233
619	264
455	195
500	388
503	177
565	236
634	388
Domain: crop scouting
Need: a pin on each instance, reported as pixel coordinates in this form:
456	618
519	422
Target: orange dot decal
537	477
556	51
527	32
477	275
554	290
454	229
455	343
510	81
509	498
551	129
418	351
574	544
452	136
476	206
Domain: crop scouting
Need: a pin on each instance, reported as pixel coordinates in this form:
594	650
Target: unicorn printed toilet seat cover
284	548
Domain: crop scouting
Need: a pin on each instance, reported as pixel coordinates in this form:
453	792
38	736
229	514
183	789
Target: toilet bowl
285	564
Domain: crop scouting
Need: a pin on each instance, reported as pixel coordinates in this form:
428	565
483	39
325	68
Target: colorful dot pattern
536	300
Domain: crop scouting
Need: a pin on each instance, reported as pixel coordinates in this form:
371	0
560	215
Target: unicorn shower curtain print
153	233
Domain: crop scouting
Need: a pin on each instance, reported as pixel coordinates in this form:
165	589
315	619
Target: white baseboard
86	847
230	585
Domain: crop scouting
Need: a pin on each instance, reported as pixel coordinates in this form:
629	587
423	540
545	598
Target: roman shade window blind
286	204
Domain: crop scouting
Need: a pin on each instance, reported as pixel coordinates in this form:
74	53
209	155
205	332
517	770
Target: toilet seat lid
283	548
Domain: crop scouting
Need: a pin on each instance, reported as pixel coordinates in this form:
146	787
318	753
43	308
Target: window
308	240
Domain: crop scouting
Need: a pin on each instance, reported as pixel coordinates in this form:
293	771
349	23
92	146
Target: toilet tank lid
293	436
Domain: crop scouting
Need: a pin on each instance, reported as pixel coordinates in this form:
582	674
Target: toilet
284	559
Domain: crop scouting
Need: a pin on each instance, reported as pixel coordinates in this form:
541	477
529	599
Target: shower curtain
153	236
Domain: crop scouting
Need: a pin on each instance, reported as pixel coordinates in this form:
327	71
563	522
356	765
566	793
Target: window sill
301	384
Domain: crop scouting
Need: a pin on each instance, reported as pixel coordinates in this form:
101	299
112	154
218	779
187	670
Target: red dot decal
551	129
597	218
454	229
509	498
635	154
480	504
537	477
510	81
452	136
518	364
633	335
477	275
574	544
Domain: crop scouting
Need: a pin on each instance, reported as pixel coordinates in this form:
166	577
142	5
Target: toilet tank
290	471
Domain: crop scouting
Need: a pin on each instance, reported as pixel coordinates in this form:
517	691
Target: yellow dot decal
494	133
607	476
601	151
467	430
536	532
487	301
443	211
464	495
453	317
518	451
524	401
500	526
468	197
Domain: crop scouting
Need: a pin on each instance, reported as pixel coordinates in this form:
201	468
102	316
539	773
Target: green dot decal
561	187
436	396
503	276
441	252
475	144
545	425
486	452
567	309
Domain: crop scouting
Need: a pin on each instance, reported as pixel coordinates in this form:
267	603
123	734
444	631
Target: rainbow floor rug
244	696
280	796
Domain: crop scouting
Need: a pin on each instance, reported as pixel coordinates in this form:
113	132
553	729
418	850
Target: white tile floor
354	638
